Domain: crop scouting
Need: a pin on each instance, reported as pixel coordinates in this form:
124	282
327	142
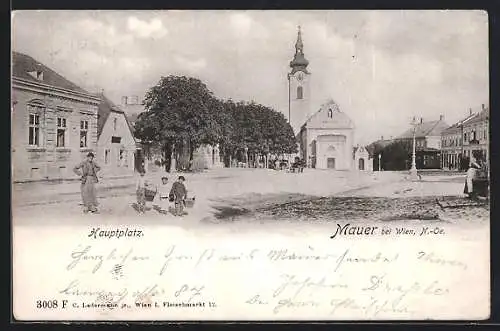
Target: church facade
326	137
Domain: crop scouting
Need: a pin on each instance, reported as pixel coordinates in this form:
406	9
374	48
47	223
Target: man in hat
88	171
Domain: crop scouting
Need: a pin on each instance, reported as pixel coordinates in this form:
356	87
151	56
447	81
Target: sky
381	67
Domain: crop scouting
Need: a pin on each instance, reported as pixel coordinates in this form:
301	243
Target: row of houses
55	124
468	135
438	145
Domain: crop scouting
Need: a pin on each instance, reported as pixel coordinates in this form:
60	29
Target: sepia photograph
250	165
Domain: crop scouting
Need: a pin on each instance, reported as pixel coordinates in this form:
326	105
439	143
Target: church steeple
299	62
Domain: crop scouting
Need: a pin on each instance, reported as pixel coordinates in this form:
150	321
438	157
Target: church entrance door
361	164
330	163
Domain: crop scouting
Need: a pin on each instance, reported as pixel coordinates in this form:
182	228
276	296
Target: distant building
54	122
362	159
476	134
452	147
132	105
427	142
116	146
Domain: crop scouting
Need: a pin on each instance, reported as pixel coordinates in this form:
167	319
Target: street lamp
413	170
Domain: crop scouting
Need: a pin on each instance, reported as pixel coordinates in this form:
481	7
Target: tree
257	128
397	155
181	112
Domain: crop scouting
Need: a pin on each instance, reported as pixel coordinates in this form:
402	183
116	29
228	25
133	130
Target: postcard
250	165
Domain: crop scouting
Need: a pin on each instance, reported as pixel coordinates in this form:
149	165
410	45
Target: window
36	110
125	159
120	158
61	132
300	92
84	128
116	140
34	130
330	113
465	137
106	156
114	124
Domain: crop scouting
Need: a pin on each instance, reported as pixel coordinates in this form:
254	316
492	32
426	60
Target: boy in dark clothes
178	193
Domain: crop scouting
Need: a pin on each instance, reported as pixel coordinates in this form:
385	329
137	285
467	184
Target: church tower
299	95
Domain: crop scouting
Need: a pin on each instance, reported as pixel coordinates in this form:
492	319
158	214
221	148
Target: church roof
329	116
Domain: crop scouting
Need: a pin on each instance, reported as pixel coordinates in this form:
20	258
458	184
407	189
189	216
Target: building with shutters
53	122
476	134
452	147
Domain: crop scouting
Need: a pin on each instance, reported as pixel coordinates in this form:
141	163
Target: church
325	137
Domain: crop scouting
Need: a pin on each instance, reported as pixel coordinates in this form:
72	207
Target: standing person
88	171
471	174
179	193
140	191
162	196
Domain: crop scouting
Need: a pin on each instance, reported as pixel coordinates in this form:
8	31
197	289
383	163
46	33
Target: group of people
297	165
163	196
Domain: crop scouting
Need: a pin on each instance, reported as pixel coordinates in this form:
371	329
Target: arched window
330	113
300	92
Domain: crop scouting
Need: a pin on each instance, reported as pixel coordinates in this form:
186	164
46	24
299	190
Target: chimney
421	120
381	137
124	100
470	111
482	106
441	117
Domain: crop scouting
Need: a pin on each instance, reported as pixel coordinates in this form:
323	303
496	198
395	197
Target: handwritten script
275	281
183	278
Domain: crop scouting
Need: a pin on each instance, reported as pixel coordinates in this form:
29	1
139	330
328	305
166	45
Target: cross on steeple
299	62
299	46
